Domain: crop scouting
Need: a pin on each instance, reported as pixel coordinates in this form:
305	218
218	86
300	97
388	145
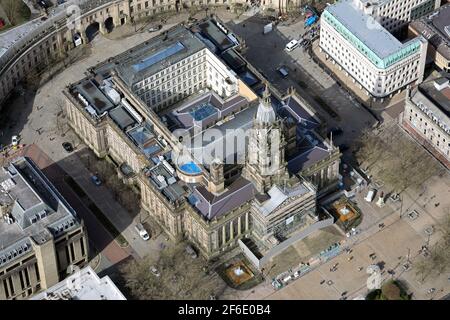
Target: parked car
283	71
45	4
155	271
15	140
96	180
155	28
67	146
292	45
142	232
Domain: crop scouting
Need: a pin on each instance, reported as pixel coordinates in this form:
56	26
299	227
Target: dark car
45	4
96	180
67	146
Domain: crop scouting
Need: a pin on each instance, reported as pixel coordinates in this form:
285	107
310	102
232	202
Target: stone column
84	37
224	235
239	226
102	28
231	230
60	41
246	221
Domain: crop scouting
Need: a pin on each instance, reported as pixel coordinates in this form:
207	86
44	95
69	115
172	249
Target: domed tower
265	164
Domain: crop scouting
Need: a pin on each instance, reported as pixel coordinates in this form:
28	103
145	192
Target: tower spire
265	114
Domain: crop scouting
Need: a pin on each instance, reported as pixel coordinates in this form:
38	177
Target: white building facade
396	14
367	52
175	82
426	117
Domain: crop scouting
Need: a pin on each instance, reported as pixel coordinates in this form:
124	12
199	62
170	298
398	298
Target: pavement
397	243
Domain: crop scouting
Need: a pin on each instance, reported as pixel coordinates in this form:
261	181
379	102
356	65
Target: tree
11	8
390	291
181	277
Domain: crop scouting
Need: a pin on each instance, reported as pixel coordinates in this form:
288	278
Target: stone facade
51	40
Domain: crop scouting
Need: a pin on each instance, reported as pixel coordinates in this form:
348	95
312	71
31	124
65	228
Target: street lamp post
401	205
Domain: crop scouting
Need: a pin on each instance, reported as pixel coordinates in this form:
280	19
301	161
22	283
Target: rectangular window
38	278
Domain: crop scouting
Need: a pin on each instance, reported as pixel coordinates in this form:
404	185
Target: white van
292	45
142	232
370	195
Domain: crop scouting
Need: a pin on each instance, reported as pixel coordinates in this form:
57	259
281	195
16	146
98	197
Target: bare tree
11	8
181	277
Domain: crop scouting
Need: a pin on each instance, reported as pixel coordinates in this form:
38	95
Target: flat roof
96	98
435	27
154	55
121	117
440	100
84	284
37	209
365	28
215	35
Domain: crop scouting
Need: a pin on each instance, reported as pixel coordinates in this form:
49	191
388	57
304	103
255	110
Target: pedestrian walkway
97	234
104	200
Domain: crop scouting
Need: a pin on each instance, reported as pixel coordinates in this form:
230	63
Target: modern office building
40	234
83	284
435	28
181	111
394	15
427	117
368	53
